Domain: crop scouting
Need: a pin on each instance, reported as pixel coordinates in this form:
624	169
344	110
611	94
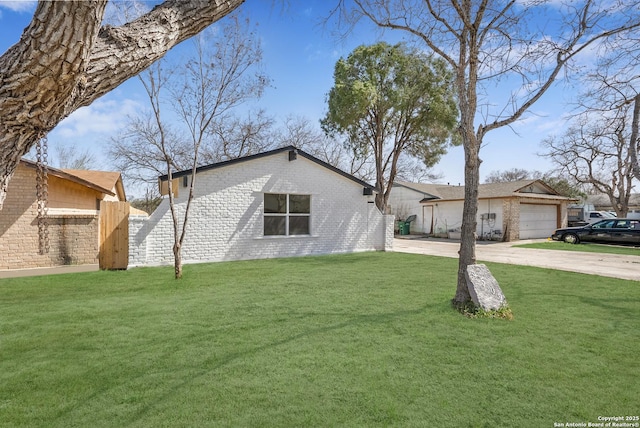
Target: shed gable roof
101	181
249	158
105	179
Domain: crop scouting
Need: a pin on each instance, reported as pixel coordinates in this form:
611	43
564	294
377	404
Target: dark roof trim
427	196
425	200
302	153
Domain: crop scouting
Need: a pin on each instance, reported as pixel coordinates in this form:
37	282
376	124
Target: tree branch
122	51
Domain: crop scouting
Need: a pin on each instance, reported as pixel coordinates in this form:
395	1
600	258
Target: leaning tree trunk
40	76
65	60
469	219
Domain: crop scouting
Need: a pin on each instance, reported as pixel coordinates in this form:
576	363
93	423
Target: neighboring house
507	211
602	202
280	203
72	229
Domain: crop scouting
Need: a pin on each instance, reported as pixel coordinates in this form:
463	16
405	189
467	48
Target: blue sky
299	56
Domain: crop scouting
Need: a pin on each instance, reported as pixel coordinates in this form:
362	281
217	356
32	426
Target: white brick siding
226	215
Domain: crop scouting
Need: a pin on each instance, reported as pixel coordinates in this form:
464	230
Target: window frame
287	215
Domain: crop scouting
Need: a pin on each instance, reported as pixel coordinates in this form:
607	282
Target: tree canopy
391	101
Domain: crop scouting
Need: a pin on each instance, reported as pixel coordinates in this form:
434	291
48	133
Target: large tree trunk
469	219
65	60
468	101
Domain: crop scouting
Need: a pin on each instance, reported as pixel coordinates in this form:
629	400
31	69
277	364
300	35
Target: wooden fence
114	235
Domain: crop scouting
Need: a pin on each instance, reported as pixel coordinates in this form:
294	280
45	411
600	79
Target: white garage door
537	221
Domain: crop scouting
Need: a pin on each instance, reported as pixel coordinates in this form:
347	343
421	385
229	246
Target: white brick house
280	203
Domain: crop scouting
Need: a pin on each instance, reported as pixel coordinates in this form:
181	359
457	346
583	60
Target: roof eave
65	175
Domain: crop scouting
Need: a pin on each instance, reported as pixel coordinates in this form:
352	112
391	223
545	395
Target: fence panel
114	235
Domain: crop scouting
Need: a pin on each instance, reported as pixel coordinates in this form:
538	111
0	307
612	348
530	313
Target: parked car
615	231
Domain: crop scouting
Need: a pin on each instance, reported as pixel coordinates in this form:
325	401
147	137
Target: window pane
274	225
275	203
299	225
300	204
604	224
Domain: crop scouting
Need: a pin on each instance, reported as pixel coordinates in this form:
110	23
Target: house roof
536	188
101	181
296	150
105	179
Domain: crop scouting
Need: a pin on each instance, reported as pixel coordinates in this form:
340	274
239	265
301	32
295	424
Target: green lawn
357	340
586	248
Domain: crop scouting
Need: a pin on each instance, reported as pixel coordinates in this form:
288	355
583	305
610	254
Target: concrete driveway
611	265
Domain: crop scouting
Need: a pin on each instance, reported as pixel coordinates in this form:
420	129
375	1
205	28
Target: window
604	224
286	214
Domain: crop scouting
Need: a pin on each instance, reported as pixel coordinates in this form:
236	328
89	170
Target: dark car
615	231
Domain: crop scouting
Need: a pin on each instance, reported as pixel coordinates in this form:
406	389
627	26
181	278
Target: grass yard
584	247
356	340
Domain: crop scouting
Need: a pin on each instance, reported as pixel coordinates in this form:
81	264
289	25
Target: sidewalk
16	273
609	265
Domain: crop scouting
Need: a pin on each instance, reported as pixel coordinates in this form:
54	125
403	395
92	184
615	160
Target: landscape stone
484	289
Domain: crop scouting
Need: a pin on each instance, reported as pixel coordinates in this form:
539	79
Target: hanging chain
42	194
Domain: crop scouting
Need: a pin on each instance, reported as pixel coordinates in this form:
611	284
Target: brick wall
226	216
511	219
73	238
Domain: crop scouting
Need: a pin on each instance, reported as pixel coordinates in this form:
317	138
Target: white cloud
104	117
18	5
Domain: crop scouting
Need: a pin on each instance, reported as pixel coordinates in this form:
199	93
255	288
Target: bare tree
223	73
298	131
68	156
595	152
149	201
141	149
513	174
72	157
154	83
66	59
490	43
612	90
234	137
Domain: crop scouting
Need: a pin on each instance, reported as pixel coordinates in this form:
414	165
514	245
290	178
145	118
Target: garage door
537	221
